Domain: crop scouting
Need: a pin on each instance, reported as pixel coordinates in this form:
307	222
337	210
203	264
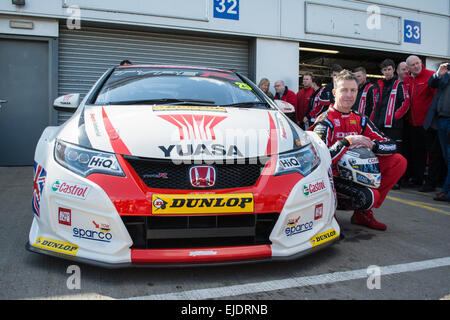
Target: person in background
421	95
316	83
402	70
283	93
303	97
366	99
392	104
264	85
440	113
126	63
325	98
313	100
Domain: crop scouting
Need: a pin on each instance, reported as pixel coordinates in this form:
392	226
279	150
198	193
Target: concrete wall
277	60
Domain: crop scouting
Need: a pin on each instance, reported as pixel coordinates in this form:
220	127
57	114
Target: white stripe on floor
249	288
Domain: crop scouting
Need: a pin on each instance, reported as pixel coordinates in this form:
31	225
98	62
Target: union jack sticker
38	186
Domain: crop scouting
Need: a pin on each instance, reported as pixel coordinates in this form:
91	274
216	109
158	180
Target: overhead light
313	66
374	76
318	50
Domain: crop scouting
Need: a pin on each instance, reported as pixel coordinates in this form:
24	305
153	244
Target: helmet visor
368	168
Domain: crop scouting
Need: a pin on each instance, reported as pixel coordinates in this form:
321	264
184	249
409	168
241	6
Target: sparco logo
314	187
70	189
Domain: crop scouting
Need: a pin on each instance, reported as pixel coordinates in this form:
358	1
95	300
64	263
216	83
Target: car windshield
157	85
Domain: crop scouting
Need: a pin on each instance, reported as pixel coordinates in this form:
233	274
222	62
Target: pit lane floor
413	255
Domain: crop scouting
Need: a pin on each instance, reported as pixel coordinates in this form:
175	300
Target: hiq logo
287	163
102	162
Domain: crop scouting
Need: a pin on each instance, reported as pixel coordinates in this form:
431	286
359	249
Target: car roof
175	67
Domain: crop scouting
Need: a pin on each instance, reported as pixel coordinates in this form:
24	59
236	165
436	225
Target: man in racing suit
342	129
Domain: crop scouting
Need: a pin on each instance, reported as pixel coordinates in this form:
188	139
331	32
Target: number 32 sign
412	31
226	9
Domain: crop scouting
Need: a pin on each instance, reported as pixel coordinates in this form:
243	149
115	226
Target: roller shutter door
84	55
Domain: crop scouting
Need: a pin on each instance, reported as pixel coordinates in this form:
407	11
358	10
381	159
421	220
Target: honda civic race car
173	165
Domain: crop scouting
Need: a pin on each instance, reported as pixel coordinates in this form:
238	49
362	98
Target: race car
175	165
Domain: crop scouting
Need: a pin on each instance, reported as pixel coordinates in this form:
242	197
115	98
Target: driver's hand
360	141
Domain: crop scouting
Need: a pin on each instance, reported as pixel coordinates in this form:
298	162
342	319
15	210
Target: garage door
84	55
24	89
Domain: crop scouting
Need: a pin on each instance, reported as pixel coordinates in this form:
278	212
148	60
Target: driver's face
345	95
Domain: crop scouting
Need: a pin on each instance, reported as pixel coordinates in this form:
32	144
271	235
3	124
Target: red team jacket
302	107
421	96
288	96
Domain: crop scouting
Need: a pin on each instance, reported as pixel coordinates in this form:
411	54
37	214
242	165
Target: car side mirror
67	103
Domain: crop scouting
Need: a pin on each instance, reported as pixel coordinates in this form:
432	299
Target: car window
136	85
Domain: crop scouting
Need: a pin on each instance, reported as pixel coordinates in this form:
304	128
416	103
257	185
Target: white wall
274	19
277	60
29	26
433	63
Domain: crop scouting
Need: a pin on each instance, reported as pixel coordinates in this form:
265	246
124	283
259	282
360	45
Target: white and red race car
172	165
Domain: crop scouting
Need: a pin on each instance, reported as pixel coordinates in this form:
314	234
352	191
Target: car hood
182	132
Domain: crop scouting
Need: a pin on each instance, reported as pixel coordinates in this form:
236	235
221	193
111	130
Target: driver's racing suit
333	127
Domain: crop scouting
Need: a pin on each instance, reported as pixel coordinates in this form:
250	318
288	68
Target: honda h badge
202	176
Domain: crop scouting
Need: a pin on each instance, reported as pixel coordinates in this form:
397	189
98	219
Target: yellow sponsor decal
188	108
56	246
243	86
323	237
202	203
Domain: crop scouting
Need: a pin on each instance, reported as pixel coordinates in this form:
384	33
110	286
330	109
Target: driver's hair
344	75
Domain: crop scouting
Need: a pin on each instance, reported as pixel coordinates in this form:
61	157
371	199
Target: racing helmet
360	166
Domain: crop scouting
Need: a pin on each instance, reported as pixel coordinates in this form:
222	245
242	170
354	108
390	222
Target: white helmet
360	166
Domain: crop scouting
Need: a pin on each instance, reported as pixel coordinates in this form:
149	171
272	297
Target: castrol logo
70	189
314	187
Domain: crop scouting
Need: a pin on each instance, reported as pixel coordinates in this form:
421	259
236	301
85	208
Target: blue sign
226	9
412	31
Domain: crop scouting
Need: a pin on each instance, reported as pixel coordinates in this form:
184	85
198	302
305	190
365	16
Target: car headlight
85	161
303	160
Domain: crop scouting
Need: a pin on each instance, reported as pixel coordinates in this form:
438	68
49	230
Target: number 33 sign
412	31
226	9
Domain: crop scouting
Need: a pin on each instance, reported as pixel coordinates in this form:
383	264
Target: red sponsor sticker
65	216
318	211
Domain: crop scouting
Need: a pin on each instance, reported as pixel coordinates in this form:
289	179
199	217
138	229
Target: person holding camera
440	112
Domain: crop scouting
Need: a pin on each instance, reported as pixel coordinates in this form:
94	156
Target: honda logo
202	176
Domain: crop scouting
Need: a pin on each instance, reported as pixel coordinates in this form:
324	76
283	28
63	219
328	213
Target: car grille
163	174
150	232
